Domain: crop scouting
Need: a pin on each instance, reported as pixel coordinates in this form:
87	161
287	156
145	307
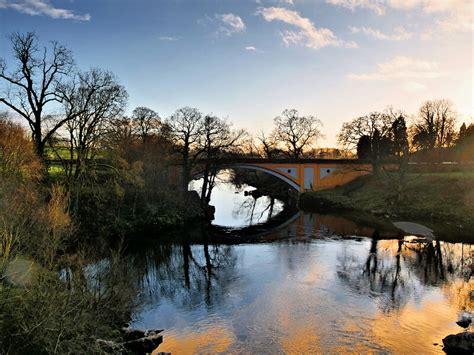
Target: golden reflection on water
416	327
302	340
213	340
298	320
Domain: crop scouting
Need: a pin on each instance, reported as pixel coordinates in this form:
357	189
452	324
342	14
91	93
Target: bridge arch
282	177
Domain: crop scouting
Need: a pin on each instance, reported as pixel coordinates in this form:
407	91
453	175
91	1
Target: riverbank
442	201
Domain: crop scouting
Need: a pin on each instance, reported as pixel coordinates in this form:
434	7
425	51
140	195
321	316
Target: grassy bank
444	201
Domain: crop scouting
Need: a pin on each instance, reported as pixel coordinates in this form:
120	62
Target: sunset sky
250	59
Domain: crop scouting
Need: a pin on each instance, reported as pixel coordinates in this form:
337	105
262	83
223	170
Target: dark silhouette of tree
146	122
465	142
401	150
364	147
119	135
268	145
91	102
462	130
400	137
371	135
376	126
296	132
186	127
217	139
32	85
435	125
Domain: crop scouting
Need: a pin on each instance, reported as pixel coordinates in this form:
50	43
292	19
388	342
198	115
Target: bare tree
146	122
296	132
90	103
31	86
186	126
217	139
268	145
435	126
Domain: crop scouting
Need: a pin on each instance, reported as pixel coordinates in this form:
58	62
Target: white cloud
230	24
375	5
307	34
459	15
251	48
287	2
42	7
399	34
448	15
168	38
404	72
402	68
404	4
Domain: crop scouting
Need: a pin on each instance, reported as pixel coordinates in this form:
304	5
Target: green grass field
442	197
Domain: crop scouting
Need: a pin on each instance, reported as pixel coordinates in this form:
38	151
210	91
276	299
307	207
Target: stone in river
461	343
464	321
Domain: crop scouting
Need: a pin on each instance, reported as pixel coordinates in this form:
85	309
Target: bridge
301	174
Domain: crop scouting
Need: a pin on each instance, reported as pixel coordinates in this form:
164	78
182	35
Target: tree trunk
205	184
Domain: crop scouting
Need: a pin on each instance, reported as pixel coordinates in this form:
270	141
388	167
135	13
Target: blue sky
249	60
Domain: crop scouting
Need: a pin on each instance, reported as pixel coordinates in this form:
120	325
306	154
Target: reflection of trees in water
185	274
109	281
436	262
395	270
378	275
246	209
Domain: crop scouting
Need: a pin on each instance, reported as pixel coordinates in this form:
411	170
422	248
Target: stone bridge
301	174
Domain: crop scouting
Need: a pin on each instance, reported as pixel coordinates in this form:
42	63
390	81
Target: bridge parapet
304	174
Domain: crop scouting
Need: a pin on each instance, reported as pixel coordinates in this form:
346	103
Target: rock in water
462	343
463	323
465	320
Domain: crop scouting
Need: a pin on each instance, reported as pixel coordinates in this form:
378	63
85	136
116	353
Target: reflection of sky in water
235	209
322	295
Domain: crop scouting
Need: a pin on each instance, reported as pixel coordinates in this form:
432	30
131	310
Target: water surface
323	284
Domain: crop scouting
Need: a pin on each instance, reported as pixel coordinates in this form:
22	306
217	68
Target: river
308	283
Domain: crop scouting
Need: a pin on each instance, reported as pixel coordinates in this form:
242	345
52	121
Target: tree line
387	134
78	117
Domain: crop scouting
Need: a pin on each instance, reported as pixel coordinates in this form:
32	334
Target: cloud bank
449	15
306	33
404	71
42	8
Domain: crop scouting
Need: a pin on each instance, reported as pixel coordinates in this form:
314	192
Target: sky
248	60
